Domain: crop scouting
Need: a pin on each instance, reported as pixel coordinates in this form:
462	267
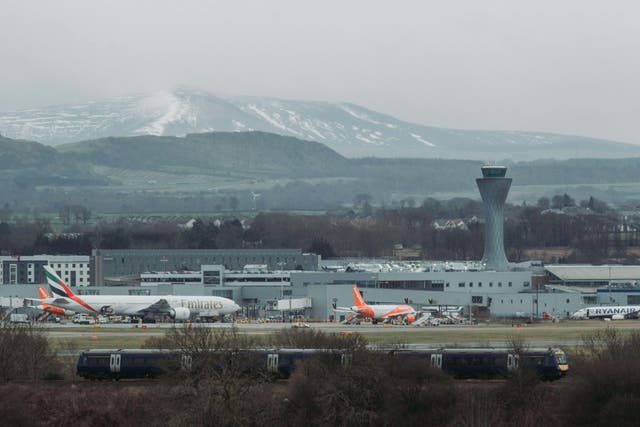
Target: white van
82	319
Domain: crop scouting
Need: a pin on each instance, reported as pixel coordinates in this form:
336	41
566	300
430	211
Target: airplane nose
236	307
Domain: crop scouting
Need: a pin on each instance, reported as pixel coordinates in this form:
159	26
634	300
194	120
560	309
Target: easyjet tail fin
357	297
58	287
43	293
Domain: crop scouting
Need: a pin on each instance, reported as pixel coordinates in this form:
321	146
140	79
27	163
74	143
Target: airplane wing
160	306
27	302
397	313
58	301
343	310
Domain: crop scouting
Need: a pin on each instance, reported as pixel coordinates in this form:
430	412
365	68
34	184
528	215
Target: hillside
219	171
351	130
28	163
253	153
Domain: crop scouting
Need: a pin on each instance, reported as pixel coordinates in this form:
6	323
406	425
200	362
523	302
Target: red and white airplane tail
61	290
43	293
357	297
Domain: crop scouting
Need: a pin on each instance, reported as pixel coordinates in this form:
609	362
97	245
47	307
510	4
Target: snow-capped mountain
349	129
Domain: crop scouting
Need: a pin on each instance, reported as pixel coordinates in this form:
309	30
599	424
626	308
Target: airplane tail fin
58	287
357	297
43	293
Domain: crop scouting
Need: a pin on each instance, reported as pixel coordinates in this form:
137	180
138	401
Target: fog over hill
351	130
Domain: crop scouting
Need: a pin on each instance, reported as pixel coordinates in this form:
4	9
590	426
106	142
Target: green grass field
563	333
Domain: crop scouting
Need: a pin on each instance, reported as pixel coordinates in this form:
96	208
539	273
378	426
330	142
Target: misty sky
570	66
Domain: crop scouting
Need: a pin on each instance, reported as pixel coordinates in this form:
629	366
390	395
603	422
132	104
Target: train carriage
548	363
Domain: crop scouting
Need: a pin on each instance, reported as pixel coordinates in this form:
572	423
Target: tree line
594	234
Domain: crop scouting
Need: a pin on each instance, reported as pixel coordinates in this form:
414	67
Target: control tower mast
494	188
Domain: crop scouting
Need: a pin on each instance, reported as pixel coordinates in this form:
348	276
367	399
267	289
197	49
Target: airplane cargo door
114	363
436	360
272	362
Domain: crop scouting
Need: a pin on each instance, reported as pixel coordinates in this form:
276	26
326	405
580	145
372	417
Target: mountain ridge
349	129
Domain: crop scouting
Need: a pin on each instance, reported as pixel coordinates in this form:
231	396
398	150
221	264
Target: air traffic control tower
494	188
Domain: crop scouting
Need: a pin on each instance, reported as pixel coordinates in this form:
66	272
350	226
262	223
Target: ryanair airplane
612	312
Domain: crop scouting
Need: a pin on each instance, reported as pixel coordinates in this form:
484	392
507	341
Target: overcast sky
570	66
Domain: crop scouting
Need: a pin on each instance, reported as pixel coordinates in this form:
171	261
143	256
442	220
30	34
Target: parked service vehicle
81	319
298	325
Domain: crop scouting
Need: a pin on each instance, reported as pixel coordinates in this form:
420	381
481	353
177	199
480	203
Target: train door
114	363
272	362
186	362
345	360
512	361
436	360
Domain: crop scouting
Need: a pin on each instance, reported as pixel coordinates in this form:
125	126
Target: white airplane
377	312
607	312
176	307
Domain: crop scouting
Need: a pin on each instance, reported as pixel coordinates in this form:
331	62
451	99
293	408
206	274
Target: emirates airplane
174	306
377	312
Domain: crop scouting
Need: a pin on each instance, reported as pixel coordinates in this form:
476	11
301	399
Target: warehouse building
124	266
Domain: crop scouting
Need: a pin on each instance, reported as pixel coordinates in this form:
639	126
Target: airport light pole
609	285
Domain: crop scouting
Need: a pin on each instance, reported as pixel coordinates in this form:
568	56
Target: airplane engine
617	317
411	318
106	309
180	313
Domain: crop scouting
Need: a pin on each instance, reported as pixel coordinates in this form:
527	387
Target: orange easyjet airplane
378	312
48	308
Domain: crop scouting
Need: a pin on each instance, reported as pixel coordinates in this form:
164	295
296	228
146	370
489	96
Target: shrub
25	353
